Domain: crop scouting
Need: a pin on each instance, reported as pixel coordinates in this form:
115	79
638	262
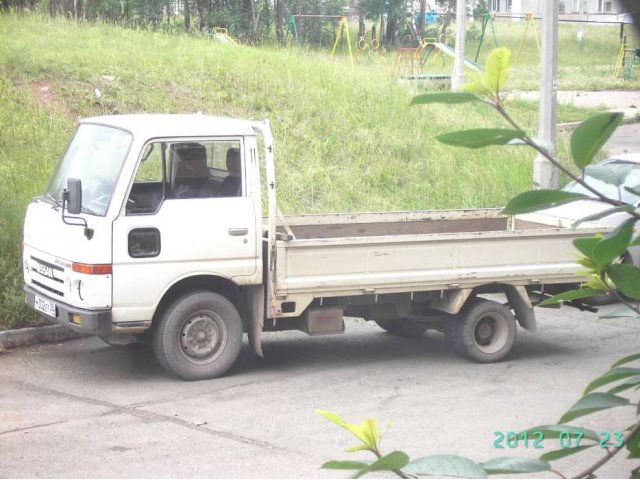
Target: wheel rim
202	336
490	333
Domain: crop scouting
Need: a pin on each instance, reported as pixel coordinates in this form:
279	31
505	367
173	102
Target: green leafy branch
604	271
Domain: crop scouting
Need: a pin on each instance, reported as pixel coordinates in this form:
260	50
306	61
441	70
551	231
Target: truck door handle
238	232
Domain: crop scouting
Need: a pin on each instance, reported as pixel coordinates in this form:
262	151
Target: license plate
45	306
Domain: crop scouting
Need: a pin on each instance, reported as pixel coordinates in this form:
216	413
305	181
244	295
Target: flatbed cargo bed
339	255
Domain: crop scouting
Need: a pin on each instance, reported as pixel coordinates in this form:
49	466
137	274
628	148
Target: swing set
342	31
530	26
628	56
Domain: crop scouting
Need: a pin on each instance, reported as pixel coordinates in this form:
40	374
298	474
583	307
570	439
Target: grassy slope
346	140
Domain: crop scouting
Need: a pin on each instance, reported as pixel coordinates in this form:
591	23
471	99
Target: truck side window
190	172
232	183
225	167
147	190
205	169
183	170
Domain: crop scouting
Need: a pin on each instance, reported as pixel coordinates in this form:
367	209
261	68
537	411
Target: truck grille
47	276
47	288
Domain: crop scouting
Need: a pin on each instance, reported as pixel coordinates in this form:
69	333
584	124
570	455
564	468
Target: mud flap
256	318
452	301
519	300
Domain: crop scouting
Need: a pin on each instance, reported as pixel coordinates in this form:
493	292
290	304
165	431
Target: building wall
566	6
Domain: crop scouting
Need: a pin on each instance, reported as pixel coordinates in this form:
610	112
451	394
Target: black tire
199	336
403	327
484	331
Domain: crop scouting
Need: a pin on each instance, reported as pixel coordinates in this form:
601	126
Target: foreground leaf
445	97
611	376
571	295
635	190
535	200
480	137
626	278
554	431
635	242
564	452
633	445
631	382
603	214
615	243
627	359
393	461
587	245
589	137
514	465
344	465
496	69
366	432
445	465
612	173
594	402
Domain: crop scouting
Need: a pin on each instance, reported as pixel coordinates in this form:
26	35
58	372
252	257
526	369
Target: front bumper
92	322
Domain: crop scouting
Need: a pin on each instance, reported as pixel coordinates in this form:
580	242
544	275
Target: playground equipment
342	30
530	24
429	47
409	57
627	58
487	19
222	36
368	48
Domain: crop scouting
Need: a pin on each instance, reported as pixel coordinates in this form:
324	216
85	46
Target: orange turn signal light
103	269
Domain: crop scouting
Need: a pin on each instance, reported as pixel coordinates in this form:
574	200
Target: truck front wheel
199	336
484	331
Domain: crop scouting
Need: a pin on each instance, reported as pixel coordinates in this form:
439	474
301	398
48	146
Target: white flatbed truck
153	224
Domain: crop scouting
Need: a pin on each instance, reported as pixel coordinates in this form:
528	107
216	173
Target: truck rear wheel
484	331
199	336
402	327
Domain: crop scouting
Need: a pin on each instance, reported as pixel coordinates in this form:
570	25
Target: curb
24	337
571	125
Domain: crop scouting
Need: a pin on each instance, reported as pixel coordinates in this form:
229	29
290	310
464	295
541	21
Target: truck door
187	213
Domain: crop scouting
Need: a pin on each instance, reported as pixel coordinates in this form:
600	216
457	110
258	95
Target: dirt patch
45	92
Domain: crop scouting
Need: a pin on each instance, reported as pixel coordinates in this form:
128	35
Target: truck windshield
95	156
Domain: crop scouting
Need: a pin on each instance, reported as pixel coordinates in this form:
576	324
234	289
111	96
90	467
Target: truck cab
169	205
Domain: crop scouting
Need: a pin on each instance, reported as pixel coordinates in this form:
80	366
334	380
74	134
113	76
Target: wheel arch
517	297
212	283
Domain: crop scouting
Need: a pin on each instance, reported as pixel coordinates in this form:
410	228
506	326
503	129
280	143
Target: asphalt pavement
83	409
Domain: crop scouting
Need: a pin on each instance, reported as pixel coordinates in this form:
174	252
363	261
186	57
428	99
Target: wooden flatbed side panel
427	265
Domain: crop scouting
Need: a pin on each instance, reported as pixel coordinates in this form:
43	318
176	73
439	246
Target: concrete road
626	139
84	409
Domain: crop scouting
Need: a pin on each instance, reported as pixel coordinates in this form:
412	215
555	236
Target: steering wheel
103	191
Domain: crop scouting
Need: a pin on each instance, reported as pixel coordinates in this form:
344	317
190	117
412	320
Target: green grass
346	139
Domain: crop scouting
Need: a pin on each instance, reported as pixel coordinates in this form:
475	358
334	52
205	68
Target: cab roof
151	125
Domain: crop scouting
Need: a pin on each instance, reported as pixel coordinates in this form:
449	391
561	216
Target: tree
187	16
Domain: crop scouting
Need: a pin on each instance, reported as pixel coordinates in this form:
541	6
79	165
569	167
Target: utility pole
545	175
457	79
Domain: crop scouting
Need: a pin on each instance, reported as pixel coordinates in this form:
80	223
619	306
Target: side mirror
74	196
